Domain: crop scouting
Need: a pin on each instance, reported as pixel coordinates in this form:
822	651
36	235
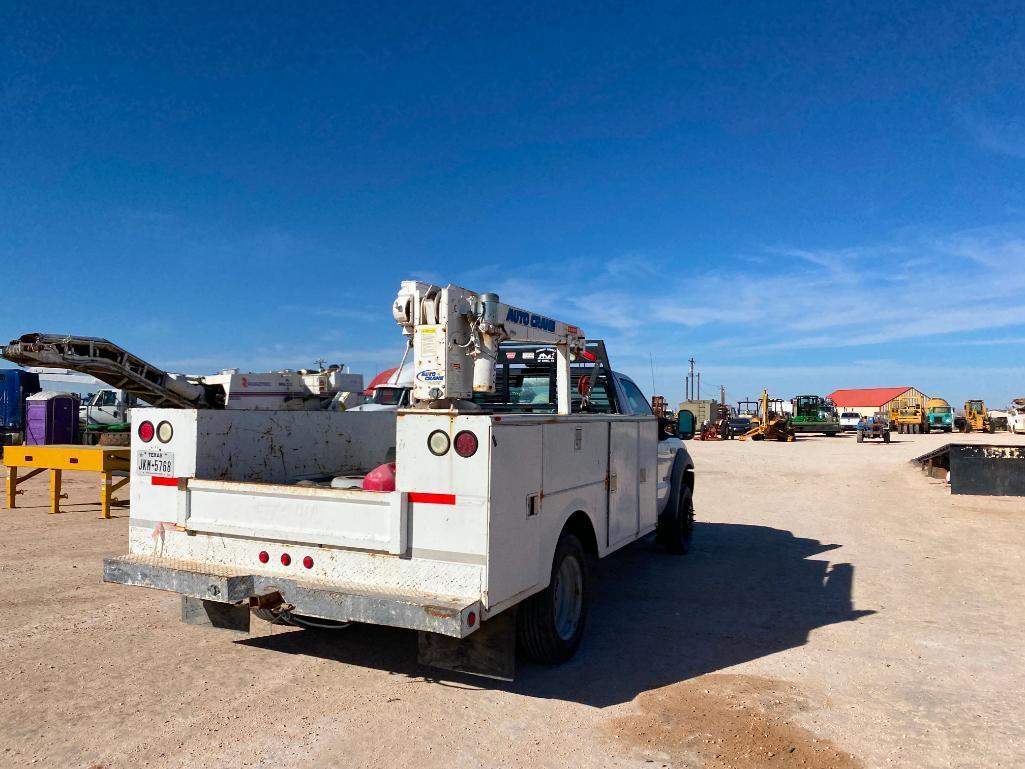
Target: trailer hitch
269	601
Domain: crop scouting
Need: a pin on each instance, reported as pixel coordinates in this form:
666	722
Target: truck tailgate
367	520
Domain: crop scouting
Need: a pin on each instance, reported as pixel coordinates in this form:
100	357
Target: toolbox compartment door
368	520
624	477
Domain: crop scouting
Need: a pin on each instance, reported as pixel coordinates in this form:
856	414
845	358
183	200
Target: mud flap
226	616
489	652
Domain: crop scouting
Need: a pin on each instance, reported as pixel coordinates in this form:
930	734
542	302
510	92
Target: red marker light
286	559
471	619
588	355
308	562
465	444
264	556
146	432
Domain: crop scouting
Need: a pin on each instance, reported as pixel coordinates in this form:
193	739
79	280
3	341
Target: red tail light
146	432
471	619
465	444
308	562
588	355
264	556
286	559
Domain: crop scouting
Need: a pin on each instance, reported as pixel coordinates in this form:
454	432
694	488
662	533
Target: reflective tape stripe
157	480
433	499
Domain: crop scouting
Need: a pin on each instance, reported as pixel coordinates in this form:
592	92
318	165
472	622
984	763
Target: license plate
159	463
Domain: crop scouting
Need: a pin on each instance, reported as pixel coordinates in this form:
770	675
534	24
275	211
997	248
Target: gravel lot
838	609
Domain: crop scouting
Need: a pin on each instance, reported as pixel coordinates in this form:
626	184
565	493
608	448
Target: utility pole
690	381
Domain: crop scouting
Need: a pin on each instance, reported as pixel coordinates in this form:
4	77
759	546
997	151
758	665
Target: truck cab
940	415
107	408
392	394
15	386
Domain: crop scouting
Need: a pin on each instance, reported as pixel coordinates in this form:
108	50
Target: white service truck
522	457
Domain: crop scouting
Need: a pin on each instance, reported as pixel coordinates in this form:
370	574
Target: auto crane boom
455	334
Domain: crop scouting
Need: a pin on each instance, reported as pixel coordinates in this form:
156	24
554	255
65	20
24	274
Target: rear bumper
344	603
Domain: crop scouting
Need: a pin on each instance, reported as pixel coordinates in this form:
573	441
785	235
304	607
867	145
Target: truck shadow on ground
742	593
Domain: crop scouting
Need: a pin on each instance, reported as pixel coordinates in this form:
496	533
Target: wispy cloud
1004	136
279	357
798	318
919	289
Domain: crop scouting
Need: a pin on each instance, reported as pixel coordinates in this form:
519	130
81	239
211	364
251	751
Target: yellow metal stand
105	460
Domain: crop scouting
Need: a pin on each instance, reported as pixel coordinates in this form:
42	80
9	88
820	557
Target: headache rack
525	382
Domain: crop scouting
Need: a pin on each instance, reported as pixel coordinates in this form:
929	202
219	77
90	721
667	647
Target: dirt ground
838	609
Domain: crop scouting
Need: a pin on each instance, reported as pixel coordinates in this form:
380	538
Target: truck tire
674	531
861	437
550	624
886	437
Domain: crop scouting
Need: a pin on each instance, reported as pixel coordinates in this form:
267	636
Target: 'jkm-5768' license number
155	463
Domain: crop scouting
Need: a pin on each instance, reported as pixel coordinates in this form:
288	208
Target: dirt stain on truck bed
720	721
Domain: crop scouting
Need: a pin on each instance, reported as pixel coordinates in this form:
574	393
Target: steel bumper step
341	602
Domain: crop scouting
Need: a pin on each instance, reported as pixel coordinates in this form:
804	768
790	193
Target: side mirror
686	424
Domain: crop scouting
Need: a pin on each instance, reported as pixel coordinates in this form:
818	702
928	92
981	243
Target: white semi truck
522	457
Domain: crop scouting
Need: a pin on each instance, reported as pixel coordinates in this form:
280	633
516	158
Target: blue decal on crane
524	318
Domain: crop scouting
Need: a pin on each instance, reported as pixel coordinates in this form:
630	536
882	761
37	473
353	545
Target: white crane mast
455	337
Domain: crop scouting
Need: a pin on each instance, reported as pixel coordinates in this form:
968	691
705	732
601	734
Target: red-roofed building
872	399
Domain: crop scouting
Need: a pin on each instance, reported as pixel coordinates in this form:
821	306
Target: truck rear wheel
550	624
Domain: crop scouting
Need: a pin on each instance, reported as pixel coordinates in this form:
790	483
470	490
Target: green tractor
812	414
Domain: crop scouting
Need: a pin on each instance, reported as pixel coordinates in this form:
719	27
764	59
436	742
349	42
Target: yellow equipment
771	425
908	417
108	461
976	417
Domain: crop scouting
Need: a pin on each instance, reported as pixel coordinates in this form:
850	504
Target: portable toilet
51	418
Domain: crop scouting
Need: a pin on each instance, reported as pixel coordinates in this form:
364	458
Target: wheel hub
568	594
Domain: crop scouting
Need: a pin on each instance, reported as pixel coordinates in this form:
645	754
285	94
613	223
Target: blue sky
803	196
